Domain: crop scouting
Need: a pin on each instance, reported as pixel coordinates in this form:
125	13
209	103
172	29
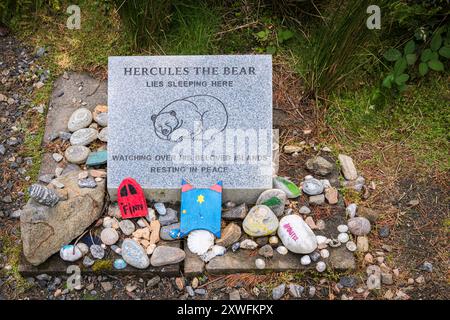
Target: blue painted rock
119	264
97	158
165	231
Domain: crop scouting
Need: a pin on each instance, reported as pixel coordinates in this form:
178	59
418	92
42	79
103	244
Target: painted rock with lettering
260	221
80	118
83	137
290	188
275	199
134	254
296	235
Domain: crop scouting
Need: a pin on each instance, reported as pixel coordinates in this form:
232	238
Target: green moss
102	265
13	250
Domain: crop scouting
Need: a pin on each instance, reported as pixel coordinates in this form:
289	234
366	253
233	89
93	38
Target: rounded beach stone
109	236
80	118
103	135
97	251
134	254
83	248
351	246
83	137
321	266
164	255
359	226
248	244
260	221
282	250
312	187
342	228
305	260
77	154
102	119
343	237
296	235
260	263
127	227
275	199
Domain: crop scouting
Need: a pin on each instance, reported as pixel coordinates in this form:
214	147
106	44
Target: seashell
43	195
200	241
213	252
334	243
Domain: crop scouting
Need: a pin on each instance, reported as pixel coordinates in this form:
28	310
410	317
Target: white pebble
321	266
260	264
343	237
342	228
305	260
282	250
324	253
351	246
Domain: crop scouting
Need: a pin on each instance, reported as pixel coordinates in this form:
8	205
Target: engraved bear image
190	117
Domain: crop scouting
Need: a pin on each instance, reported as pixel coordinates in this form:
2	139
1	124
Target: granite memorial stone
201	118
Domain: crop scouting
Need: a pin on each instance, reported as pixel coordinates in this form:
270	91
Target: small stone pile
82	132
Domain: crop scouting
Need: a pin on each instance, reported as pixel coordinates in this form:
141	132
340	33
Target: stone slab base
56	266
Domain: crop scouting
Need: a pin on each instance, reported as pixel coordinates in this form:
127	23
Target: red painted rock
131	199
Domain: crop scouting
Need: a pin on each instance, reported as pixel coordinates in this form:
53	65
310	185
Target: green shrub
335	44
144	19
418	58
10	9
